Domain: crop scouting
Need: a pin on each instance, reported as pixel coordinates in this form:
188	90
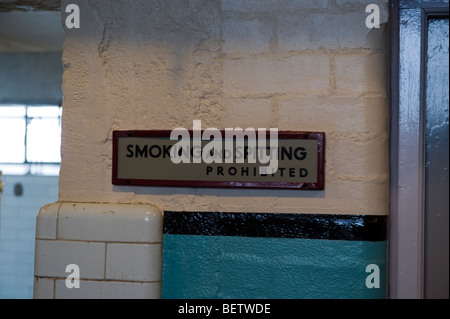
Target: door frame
409	19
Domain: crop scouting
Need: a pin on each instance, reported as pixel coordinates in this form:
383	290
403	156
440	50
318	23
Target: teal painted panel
197	266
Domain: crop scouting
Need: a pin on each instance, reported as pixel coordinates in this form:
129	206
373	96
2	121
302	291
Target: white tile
110	222
43	288
23	246
46	221
133	262
7	235
108	290
53	256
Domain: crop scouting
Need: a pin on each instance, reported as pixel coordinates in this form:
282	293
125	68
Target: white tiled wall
17	231
117	248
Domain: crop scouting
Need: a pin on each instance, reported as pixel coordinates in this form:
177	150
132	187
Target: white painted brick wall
276	75
292	64
355	114
238	112
272	5
246	37
356	74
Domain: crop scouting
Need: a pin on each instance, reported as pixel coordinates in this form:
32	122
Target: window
30	139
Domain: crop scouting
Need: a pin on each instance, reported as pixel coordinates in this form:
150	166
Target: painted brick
360	6
361	74
46	221
133	262
264	75
354	114
240	113
202	73
43	288
52	258
372	152
246	37
330	31
110	222
272	5
108	290
344	194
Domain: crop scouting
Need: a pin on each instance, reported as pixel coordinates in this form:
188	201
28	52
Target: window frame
27	120
408	74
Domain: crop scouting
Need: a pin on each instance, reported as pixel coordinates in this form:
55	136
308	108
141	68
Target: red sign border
319	185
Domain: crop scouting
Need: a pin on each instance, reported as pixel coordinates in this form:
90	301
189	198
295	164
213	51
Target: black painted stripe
277	225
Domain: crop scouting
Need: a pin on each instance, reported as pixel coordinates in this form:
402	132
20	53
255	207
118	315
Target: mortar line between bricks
101	241
101	280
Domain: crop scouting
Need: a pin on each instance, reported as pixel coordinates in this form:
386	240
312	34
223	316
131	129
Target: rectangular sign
143	158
